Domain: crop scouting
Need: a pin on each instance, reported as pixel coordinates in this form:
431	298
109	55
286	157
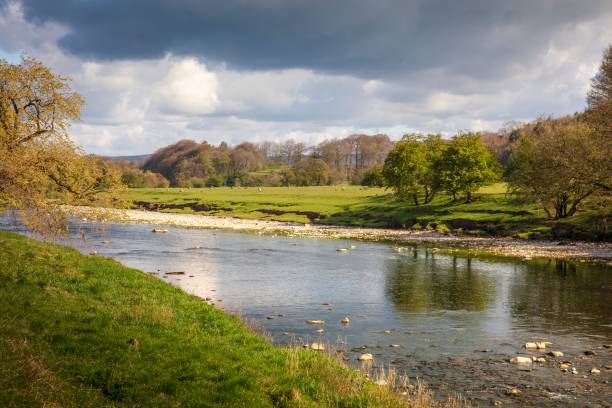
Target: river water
454	322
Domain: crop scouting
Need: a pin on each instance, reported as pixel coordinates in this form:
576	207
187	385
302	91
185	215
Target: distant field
493	212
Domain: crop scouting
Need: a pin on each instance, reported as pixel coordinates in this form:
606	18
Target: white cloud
137	106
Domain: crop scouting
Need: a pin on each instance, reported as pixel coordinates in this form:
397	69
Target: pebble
317	346
556	354
394	345
564	366
595	370
315	321
387	331
574	371
520	360
366	357
590	353
346	320
513	392
271	317
381	382
320	331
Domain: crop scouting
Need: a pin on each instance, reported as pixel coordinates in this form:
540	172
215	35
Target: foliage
405	168
40	167
373	177
466	165
560	165
308	172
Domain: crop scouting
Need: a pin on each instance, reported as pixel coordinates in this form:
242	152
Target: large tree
40	166
410	167
560	165
467	165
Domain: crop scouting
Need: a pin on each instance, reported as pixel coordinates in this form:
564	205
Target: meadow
493	212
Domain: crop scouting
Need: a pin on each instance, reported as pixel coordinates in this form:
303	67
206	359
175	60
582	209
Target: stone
556	354
539	359
595	370
513	392
607	346
564	366
94	252
315	321
387	331
590	353
271	317
346	320
160	230
394	345
531	346
366	357
520	360
317	346
175	273
286	334
574	371
320	331
381	381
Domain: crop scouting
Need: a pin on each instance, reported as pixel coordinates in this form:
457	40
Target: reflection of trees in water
416	285
563	296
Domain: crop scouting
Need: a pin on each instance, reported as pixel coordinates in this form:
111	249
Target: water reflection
419	283
563	297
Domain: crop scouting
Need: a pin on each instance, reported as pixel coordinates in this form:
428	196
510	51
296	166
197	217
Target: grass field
493	212
85	331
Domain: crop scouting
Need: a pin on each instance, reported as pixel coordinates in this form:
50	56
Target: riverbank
86	331
491	213
571	250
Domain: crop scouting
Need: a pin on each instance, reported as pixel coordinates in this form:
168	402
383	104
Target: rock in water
315	321
531	346
160	230
595	370
556	354
317	346
520	360
346	320
366	357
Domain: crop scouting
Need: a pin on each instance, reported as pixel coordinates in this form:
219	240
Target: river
453	322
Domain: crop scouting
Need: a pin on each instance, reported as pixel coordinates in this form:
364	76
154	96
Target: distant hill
138	159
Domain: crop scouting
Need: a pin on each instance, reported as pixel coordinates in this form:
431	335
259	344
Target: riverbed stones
538	345
564	366
520	360
556	353
366	357
513	392
315	321
317	346
538	359
595	370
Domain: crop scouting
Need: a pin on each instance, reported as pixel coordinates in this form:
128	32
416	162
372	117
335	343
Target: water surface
456	320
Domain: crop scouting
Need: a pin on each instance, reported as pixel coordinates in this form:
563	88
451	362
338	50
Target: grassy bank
492	213
85	331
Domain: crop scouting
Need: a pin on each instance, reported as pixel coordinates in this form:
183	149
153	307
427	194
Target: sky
155	72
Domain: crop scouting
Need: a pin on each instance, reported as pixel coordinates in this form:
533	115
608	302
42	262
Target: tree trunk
416	199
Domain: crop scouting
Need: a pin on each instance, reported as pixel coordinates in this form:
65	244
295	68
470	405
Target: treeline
191	164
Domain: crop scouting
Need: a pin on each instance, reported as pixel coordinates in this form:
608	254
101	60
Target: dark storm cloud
373	39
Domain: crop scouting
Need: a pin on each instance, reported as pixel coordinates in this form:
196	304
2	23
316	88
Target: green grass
85	331
493	212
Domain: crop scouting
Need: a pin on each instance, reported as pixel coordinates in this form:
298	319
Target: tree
560	164
467	165
373	177
601	85
405	167
410	167
308	172
40	167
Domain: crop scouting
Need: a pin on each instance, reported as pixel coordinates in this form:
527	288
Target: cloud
157	73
